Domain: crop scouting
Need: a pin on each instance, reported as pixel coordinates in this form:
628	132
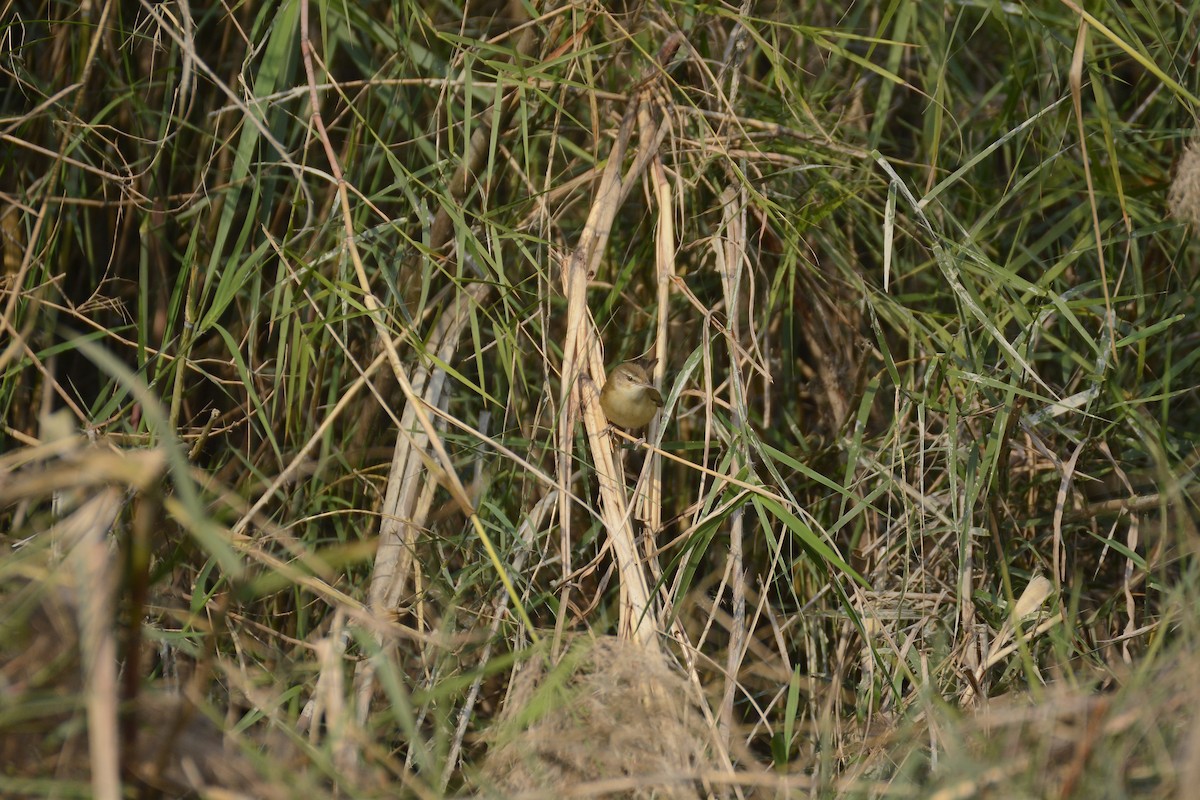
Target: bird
628	398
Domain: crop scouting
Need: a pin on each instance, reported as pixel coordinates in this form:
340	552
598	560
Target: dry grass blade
582	359
410	480
636	617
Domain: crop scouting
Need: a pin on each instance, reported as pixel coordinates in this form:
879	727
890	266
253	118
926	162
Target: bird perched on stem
628	398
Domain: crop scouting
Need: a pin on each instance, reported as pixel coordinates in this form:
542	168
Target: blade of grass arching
719	492
693	553
1122	549
1015	192
861	504
890	76
1174	370
197	520
950	272
977	379
997	284
806	471
1030	253
957	175
462	379
1153	330
810	541
1135	54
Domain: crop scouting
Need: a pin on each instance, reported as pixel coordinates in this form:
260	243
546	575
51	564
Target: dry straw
610	708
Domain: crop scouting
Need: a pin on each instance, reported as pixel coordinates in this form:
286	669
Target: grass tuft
304	484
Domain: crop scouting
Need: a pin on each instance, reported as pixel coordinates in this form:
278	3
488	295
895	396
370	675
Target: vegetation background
302	491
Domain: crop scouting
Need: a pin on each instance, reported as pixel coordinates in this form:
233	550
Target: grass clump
306	309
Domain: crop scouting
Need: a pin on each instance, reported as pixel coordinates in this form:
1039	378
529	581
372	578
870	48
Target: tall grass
300	452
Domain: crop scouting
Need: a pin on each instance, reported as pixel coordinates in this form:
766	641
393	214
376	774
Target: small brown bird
628	398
